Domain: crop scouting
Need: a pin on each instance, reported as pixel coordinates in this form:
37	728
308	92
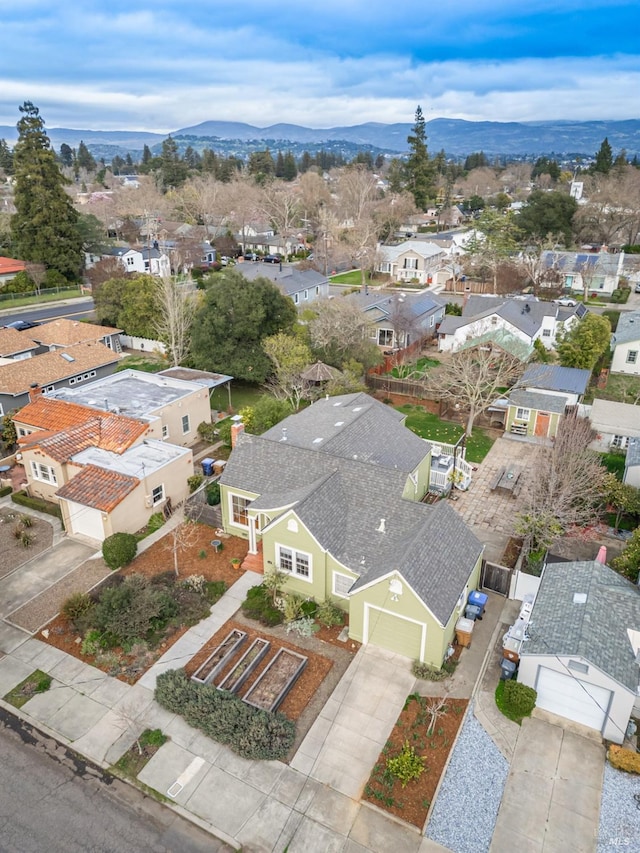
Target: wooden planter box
269	690
220	657
234	679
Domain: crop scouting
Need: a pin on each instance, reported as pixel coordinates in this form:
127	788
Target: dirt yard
19	542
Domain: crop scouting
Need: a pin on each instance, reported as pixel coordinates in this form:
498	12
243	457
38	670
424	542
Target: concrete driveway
551	802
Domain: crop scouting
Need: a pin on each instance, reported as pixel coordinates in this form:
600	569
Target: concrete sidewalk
551	802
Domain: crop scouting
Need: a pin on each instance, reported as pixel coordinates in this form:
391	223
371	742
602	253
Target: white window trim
294	555
334	591
522	414
165	431
386	332
232	522
632	356
154	499
188	429
36	472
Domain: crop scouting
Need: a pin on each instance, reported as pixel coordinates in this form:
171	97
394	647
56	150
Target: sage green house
534	414
332	497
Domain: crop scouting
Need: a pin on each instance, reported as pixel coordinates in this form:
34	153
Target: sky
168	64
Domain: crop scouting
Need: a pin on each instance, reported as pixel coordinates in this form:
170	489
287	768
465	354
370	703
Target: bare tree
281	206
182	538
540	268
177	306
290	356
132	717
436	708
340	329
565	486
37	273
474	378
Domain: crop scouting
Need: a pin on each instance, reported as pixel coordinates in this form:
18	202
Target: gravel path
619	816
464	816
13	554
41	609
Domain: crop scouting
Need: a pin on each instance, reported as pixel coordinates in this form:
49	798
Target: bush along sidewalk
251	733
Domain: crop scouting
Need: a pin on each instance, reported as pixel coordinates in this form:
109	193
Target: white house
411	261
625	343
581	652
615	424
146	260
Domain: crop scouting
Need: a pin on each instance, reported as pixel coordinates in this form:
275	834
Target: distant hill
457	137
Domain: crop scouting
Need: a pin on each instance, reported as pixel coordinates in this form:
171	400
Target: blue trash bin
207	467
478	599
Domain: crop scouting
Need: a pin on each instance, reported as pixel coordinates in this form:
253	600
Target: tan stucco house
332	497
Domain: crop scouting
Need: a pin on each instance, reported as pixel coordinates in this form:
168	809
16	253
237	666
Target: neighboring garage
584	638
397	633
86	521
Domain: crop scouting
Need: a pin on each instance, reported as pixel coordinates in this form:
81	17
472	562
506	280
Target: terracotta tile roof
50	367
115	433
66	333
99	488
50	414
10	265
12	341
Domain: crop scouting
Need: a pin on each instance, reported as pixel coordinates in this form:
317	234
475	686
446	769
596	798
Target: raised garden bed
270	689
220	657
237	676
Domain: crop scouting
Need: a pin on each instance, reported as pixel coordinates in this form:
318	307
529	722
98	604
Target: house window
341	584
296	298
44	473
306	294
294	562
431	321
317	290
48	389
632	356
385	337
410	264
185	424
619	441
157	495
130	262
239	514
546	333
494	320
523	414
386	267
165	431
578	667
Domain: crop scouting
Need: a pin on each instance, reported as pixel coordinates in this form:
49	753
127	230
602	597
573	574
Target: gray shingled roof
628	328
552	377
596	630
540	402
354	426
342	502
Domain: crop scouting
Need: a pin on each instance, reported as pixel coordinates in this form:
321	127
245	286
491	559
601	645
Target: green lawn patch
417	370
137	756
351	277
148	363
37	682
621	389
242	394
614	463
430	426
17	301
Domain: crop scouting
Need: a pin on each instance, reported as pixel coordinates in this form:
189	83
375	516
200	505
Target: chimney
35	391
236	429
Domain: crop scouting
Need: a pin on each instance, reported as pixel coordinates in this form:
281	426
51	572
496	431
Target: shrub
292	606
329	614
26	520
119	549
407	765
214	590
208	431
152	737
155	522
23	499
303	627
6	490
624	759
213	494
194	482
92	642
259	605
430	673
249	732
76	607
133	610
26	539
519	699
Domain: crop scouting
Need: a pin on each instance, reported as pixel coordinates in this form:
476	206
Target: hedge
5	490
249	732
39	504
624	759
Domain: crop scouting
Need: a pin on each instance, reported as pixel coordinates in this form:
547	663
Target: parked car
272	259
566	301
250	256
21	325
638	287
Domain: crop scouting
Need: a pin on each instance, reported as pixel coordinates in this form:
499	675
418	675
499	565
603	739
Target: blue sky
168	64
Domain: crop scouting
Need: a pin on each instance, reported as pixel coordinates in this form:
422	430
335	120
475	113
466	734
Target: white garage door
86	521
569	697
400	635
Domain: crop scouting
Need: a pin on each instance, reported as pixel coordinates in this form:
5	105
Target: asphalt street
51	801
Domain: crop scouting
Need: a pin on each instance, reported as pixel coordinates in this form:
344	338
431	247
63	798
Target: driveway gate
495	577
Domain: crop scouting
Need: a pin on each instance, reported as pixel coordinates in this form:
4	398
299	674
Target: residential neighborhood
320	498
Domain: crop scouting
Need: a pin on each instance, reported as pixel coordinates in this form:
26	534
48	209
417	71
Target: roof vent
67	357
339	423
317	440
380	527
579	597
337	404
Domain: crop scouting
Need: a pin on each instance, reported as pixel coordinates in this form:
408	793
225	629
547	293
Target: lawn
351	277
148	362
15	300
622	389
415	370
430	426
614	462
242	394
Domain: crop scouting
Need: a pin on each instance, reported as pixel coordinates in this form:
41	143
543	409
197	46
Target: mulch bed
412	802
304	688
511	552
13	553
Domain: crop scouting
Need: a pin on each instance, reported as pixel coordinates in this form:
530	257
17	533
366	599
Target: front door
542	424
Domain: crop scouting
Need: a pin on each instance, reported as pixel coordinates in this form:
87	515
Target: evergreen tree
173	171
6	157
66	155
85	159
261	166
146	155
129	165
44	228
290	172
604	158
419	168
306	162
279	165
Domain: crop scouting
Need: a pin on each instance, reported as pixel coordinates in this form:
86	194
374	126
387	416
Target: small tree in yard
628	563
565	486
119	549
622	497
474	378
182	539
585	342
436	709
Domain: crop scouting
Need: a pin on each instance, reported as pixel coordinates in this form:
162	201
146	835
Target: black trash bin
207	467
507	669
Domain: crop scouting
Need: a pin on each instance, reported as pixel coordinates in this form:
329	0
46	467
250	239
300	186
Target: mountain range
456	136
